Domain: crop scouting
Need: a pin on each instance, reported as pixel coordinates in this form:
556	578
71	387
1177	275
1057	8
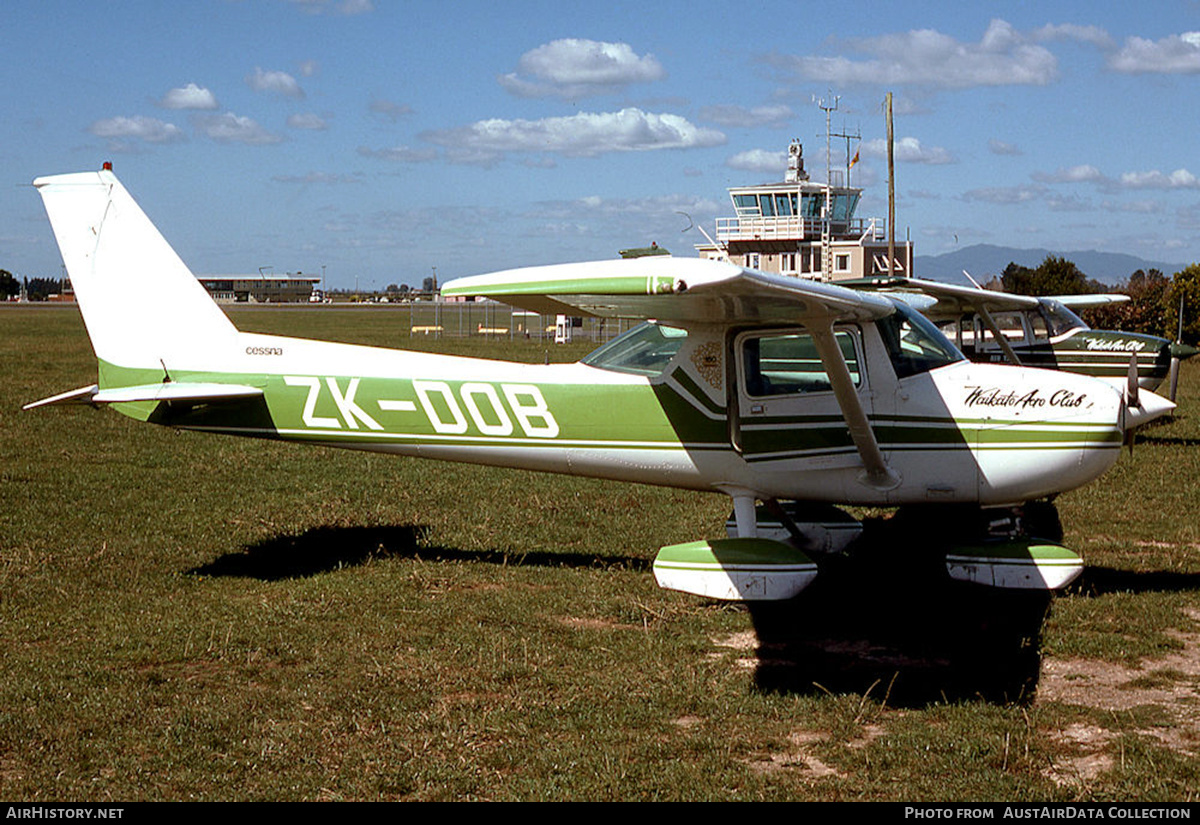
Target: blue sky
382	139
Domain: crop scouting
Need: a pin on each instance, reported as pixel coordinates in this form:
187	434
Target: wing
1086	301
680	290
697	291
941	301
950	301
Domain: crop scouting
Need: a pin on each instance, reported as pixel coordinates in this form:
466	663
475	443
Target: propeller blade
1131	386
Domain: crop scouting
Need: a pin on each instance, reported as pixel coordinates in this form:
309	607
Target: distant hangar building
261	289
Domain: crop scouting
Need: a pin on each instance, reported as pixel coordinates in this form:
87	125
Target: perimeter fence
489	319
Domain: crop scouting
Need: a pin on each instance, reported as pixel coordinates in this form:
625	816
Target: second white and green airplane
761	388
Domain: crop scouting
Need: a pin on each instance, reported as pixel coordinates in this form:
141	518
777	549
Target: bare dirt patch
1088	759
1170	684
593	623
798	758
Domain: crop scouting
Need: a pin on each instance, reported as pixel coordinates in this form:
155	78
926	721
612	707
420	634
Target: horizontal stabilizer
83	395
177	391
195	392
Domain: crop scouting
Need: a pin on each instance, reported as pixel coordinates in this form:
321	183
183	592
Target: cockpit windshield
914	344
644	350
1060	319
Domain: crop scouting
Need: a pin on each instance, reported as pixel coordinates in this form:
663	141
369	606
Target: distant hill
985	260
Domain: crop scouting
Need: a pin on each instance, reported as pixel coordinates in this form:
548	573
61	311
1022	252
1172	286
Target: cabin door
787	418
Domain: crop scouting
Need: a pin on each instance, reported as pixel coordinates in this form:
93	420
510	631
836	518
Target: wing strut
878	475
990	323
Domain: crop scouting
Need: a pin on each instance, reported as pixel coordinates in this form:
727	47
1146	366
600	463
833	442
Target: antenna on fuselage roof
692	224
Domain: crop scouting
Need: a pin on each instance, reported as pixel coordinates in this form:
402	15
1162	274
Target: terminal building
805	229
261	289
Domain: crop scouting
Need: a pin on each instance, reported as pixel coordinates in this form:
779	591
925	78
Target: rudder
142	306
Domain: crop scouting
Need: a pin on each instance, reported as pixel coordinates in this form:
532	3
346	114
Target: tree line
36	289
1154	302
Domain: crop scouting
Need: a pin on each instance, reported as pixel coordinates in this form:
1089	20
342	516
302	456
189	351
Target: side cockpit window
914	344
644	350
788	364
1060	319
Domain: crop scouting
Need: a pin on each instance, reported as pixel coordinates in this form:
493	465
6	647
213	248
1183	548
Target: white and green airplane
992	326
762	388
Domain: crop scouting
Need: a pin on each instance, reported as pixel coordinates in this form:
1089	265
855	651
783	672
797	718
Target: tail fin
142	306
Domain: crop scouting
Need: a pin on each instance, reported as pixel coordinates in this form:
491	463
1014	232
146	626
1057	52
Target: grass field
190	617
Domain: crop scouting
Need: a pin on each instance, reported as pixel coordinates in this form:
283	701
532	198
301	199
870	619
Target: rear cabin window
788	364
1011	326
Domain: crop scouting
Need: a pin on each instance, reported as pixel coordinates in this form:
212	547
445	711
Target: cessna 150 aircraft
759	387
988	325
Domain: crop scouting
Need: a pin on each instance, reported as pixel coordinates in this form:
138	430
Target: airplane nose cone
1183	351
1147	408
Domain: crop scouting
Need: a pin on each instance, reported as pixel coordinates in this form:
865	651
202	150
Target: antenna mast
826	229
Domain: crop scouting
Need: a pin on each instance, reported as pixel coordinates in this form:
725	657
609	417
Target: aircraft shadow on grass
1099	581
901	640
325	549
1168	441
899	636
911	638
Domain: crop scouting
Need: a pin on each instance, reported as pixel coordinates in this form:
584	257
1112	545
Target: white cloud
307	121
583	135
759	160
308	68
190	96
734	116
1068	203
908	150
1142	207
1000	147
1005	194
1003	57
574	68
274	82
1179	179
902	105
1071	31
1177	54
231	128
142	128
389	109
401	154
1083	173
661	206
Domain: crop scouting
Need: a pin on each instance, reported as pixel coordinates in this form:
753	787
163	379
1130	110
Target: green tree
1185	286
39	289
8	284
1144	310
1054	276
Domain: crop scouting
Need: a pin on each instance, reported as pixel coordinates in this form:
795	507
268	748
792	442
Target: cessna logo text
494	410
1001	397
